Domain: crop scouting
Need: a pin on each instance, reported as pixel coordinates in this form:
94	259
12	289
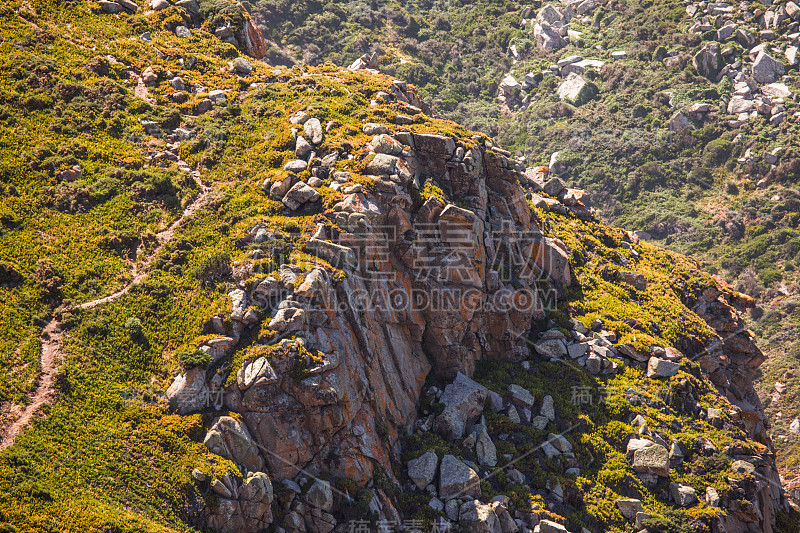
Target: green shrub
192	358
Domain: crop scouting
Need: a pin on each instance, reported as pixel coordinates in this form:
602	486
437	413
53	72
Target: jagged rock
278	189
463	400
520	396
547	38
766	69
740	105
320	495
708	62
230	439
256	373
383	144
302	147
548	409
457	479
679	121
559	443
682	495
712	498
299	195
576	90
661	368
485	450
289	319
246	509
476	517
315	284
776	90
629	507
422	470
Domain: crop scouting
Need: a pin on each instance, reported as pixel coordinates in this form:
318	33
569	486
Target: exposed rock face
242	507
370	365
230	439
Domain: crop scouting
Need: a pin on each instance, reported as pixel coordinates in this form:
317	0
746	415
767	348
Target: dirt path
51	352
51	335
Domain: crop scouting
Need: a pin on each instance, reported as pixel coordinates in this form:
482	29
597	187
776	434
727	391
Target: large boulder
576	90
189	392
230	439
457	480
708	61
548	38
683	495
647	457
463	400
299	195
661	368
766	69
476	517
320	495
423	469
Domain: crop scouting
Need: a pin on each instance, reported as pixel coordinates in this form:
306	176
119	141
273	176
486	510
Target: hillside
244	296
687	145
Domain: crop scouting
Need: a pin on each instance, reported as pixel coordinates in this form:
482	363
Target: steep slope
686	131
276	286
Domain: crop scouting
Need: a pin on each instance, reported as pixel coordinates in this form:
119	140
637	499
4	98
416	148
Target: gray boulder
299	195
661	368
647	457
577	90
766	69
547	526
548	38
320	495
463	400
423	469
457	480
313	130
683	495
476	517
708	62
629	507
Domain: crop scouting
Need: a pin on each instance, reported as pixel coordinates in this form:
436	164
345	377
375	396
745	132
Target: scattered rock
576	90
423	470
661	368
463	400
629	507
457	480
476	517
766	69
683	495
